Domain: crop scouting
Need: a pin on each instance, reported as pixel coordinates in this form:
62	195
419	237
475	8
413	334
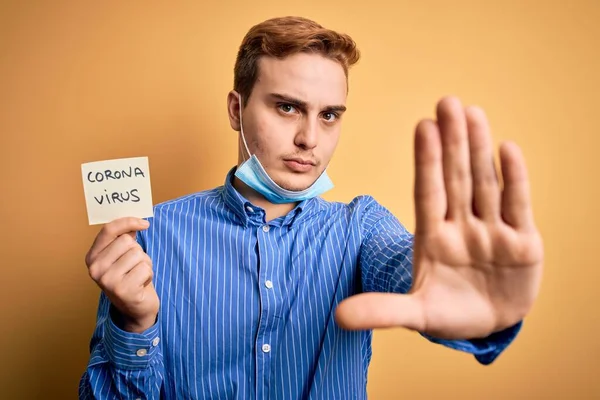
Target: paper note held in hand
117	188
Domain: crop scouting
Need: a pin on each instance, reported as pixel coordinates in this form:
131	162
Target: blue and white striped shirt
247	307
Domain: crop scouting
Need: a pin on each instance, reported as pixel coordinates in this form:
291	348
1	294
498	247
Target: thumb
367	311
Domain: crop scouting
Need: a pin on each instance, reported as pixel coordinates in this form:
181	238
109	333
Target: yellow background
85	81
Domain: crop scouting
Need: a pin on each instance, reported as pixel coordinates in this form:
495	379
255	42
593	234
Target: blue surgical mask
253	174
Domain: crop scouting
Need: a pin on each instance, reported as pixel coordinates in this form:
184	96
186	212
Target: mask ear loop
242	130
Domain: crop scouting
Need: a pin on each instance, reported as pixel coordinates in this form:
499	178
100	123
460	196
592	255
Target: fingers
380	310
124	278
109	256
430	196
455	157
486	190
140	276
116	273
130	260
113	230
516	208
129	293
470	180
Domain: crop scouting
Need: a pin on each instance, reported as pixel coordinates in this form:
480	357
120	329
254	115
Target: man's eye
286	108
330	117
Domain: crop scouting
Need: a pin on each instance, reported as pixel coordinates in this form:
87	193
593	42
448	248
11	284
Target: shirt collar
248	213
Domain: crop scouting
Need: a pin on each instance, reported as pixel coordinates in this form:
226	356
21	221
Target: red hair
285	36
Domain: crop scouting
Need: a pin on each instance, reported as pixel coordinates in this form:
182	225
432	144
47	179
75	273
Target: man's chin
292	188
294	185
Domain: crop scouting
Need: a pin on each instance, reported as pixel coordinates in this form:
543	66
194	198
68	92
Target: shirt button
269	284
141	352
156	341
266	228
266	348
249	209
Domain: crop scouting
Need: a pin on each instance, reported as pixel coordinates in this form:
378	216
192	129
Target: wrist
133	325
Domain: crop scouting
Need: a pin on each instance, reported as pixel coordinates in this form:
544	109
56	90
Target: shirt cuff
485	350
128	350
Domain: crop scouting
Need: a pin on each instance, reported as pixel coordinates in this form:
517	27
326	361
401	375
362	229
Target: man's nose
308	134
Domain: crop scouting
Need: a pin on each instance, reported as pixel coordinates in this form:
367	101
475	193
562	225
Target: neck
272	210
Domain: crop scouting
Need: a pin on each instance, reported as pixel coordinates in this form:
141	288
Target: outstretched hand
478	255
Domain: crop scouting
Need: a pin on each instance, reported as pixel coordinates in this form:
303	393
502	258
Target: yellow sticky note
117	188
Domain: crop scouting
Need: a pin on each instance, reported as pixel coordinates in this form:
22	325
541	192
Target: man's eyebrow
339	109
303	104
289	99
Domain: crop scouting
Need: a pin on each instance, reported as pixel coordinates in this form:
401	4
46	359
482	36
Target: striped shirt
247	307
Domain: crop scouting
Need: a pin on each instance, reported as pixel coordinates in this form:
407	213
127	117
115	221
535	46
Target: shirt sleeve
386	258
122	364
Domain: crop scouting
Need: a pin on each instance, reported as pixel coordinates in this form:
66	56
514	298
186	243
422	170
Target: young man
261	289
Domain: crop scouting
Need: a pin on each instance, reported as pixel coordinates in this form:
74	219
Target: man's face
292	121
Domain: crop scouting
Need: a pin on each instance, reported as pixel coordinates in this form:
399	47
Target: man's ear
233	109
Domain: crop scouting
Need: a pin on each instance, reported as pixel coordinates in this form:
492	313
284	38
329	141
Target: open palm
477	254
